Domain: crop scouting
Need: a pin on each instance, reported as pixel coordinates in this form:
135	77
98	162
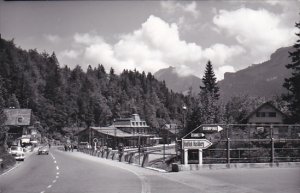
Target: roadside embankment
6	160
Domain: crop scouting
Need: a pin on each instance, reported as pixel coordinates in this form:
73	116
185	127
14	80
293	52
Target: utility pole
139	143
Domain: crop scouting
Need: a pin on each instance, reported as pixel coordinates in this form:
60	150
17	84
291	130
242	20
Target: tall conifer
292	84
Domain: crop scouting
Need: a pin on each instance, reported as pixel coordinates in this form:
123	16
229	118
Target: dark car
43	150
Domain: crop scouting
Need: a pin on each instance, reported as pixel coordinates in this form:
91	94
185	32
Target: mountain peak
176	82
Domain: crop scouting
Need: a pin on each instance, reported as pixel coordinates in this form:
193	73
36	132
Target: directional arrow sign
197	135
195	143
212	128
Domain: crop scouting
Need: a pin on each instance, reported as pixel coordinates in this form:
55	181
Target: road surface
75	172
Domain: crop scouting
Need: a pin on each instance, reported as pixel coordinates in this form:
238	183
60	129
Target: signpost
195	135
199	144
212	128
95	140
195	143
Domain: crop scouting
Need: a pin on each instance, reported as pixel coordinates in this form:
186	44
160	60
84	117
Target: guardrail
254	144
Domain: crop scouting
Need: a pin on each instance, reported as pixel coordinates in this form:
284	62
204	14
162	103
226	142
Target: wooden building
18	121
266	114
130	132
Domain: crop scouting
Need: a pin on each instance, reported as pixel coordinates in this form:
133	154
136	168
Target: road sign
195	143
197	134
95	140
212	128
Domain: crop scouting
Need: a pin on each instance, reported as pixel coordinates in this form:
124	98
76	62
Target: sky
151	35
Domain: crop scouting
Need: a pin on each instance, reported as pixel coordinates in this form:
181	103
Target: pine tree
210	82
204	109
209	95
292	84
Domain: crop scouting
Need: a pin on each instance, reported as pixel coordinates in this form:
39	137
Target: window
260	114
272	114
133	123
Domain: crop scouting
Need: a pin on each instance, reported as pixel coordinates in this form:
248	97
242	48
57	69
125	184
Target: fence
252	143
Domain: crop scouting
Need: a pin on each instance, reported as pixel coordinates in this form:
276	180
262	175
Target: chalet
131	131
17	120
266	114
268	119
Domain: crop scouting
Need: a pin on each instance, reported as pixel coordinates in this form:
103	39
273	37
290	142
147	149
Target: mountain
261	80
176	82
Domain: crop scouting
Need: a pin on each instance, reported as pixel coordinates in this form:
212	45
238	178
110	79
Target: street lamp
184	114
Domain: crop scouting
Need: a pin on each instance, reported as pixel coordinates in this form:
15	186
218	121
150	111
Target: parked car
17	152
43	150
83	145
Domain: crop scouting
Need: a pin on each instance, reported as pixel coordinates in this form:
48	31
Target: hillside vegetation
63	97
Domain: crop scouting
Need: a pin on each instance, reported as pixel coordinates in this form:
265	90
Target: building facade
18	121
266	114
130	132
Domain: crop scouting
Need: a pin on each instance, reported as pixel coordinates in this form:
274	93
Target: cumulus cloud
87	38
172	7
155	45
260	31
72	54
221	53
222	70
52	38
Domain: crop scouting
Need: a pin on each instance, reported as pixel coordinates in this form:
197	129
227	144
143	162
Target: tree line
62	97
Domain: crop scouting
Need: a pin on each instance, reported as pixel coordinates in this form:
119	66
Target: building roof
115	132
17	117
173	128
263	105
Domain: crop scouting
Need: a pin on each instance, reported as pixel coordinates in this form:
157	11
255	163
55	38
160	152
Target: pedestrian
65	147
49	145
72	147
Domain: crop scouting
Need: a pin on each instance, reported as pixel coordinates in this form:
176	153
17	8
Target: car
17	152
43	150
83	145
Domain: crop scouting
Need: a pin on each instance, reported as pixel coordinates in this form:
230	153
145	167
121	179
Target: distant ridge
259	80
177	83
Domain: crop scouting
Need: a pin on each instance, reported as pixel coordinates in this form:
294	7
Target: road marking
55	162
53	181
57	176
57	173
57	168
17	165
52	156
49	186
42	191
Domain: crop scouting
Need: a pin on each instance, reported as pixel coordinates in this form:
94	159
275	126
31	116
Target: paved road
75	172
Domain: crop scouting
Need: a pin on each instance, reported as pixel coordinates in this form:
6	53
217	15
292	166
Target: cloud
87	38
52	38
153	46
222	70
72	54
172	7
260	31
220	53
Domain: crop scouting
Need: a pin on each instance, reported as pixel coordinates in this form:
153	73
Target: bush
8	160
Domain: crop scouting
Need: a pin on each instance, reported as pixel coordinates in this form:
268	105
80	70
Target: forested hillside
63	97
